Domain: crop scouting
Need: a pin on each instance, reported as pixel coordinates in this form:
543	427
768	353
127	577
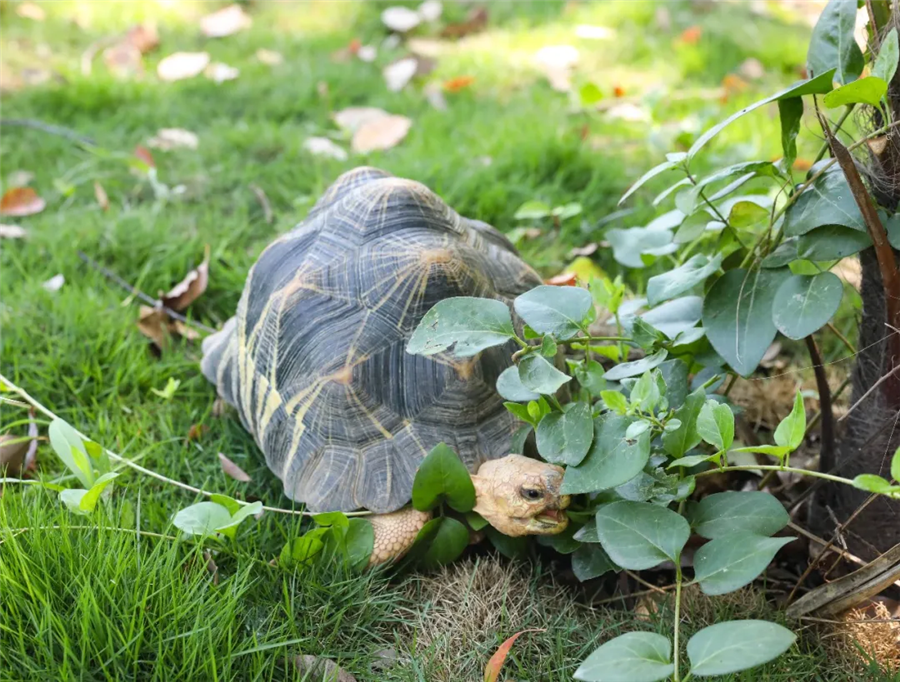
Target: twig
843	338
826	453
866	394
149	472
48	128
264	202
639	579
155	302
642	593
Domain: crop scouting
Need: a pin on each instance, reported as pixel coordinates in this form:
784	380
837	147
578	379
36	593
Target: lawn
115	595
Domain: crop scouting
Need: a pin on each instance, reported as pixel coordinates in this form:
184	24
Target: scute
315	359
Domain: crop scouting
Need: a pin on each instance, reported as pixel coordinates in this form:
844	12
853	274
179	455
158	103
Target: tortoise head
520	496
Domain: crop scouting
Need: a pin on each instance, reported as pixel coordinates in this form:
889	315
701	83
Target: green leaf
590	561
737	316
70	449
690	461
517	442
203	518
443	477
72	497
476	521
827	201
632	657
721	514
588	532
819	85
676	316
532	210
360	541
590	375
245	512
589	94
715	424
447	538
867	90
804	304
831	242
649	175
783	255
519	411
549	347
640	535
510	547
469	324
772	450
895	465
565	437
614	401
89	501
536	374
692	227
871	483
510	387
684	278
833	45
628	245
554	310
885	65
790	112
685	437
630	369
730	562
300	551
566	211
335	519
736	645
563	542
168	392
612	459
792	428
645	393
231	504
674	375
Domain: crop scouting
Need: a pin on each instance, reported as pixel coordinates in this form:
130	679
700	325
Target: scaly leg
395	533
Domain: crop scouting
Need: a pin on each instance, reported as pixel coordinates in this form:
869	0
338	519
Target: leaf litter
21	201
182	65
232	470
225	22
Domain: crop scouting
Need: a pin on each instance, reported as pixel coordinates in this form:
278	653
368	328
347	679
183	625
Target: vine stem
149	472
775	467
676	647
133	531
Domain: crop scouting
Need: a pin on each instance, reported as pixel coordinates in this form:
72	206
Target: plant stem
837	127
774	467
676	647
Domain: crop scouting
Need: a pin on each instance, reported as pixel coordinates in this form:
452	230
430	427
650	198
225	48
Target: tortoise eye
532	494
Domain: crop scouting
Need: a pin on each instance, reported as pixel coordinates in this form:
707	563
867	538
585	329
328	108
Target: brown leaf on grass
352	119
691	35
458	83
381	134
54	284
190	288
557	62
232	470
144	37
400	19
29	10
219	408
220	72
181	65
492	669
225	22
143	155
618	91
565	279
585	250
211	566
172	138
752	69
397	74
322	146
31	455
12	455
196	432
323	669
100	196
802	164
476	21
21	201
263	202
13	232
877	144
157	326
123	60
269	57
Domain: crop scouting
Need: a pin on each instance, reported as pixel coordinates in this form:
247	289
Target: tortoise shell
315	359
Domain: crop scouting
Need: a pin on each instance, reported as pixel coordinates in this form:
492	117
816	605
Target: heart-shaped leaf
538	375
443	477
468	324
443	540
510	387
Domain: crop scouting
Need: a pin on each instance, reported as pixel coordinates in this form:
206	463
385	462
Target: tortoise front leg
395	533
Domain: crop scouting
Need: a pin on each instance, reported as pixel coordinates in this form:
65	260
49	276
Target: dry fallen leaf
476	21
322	146
316	668
269	57
691	35
143	155
430	10
752	69
232	470
219	408
12	232
172	138
877	145
585	250
123	60
181	65
618	91
565	279
352	119
400	19
190	288
144	37
492	669
31	455
802	164
20	178
220	72
458	83
55	283
196	432
399	73
380	134
12	455
557	63
427	47
367	53
21	201
100	196
29	10
225	22
211	566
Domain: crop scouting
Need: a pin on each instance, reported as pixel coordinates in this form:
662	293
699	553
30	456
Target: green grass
107	604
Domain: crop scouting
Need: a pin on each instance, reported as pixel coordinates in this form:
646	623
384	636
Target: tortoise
315	361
